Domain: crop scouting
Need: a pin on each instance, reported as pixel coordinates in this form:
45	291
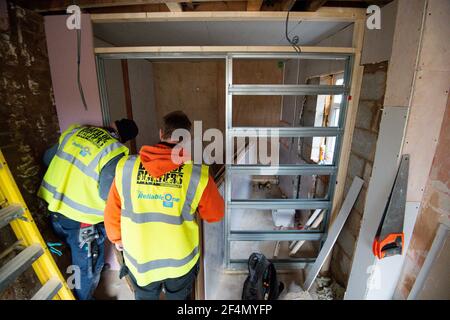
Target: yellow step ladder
13	211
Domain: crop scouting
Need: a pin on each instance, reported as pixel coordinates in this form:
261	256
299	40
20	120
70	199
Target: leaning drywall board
334	232
387	156
431	282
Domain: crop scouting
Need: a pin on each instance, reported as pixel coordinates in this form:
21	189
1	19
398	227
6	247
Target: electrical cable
80	86
294	41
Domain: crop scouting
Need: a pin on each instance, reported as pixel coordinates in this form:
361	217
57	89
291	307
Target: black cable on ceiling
294	41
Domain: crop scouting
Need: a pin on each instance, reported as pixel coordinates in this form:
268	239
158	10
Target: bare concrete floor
110	286
113	288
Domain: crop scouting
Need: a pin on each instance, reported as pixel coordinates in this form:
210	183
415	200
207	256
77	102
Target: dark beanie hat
127	129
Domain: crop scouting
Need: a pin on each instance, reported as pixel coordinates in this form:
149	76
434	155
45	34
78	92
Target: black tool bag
262	282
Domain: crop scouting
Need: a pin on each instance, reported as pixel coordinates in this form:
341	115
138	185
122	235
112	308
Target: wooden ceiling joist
130	6
254	5
314	5
221	49
323	14
287	5
61	5
174	7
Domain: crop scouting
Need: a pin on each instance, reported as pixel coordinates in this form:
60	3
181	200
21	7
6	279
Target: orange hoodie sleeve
211	206
112	215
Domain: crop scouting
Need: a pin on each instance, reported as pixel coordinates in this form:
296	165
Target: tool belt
88	236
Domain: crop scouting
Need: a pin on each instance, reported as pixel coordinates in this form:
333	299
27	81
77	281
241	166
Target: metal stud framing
304	169
233	132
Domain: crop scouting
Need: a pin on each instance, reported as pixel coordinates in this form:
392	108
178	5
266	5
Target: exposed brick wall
28	121
360	164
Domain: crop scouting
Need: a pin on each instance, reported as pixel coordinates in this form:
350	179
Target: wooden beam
323	14
129	9
314	5
61	5
357	3
221	49
254	5
174	7
358	37
287	5
352	109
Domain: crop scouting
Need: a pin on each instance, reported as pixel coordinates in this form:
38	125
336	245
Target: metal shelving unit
303	169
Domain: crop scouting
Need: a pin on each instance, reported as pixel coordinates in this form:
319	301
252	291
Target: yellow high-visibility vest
160	235
70	185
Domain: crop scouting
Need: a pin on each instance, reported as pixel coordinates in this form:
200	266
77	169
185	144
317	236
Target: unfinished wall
62	51
377	48
290	110
262	111
436	283
360	164
140	74
114	89
187	86
362	150
429	97
435	203
378	43
114	85
140	77
300	110
28	121
418	80
198	88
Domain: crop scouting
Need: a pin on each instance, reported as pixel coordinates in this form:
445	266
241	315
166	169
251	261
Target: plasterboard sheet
387	156
200	33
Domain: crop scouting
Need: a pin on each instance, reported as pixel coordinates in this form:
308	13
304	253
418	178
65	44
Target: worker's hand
119	246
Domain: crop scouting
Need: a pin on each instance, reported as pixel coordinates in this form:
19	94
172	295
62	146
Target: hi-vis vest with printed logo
70	185
160	236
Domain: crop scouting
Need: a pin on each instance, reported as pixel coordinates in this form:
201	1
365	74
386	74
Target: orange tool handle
391	245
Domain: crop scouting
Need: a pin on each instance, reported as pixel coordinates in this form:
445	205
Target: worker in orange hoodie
150	214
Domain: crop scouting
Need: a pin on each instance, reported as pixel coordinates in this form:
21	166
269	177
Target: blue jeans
68	231
176	289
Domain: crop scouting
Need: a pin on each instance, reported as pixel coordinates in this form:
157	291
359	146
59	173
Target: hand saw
389	239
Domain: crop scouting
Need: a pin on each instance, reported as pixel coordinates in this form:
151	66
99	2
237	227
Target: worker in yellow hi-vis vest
150	214
81	168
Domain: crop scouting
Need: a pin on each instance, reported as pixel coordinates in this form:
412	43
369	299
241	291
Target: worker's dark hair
127	129
175	120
